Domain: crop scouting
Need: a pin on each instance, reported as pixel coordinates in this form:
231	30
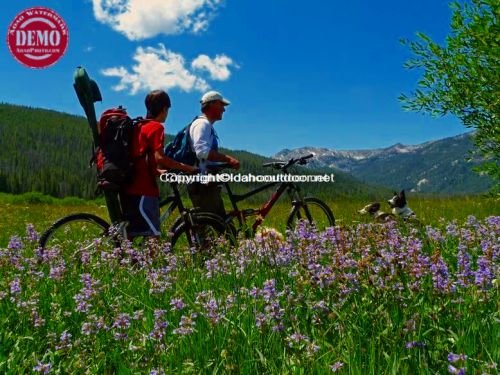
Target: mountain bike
311	209
193	227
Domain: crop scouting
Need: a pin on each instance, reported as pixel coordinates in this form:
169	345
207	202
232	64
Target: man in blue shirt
205	144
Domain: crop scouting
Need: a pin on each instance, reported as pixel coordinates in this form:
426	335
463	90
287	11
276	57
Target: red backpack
114	163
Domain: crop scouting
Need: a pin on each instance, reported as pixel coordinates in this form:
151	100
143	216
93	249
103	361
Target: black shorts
143	214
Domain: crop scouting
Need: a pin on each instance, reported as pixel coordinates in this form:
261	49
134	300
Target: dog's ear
402	193
395	193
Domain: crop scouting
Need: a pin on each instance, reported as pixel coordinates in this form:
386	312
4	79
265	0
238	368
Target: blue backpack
180	148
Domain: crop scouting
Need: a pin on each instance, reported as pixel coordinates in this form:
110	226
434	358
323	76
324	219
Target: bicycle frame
261	212
175	201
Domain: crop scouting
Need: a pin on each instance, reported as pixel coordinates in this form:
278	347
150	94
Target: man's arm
165	162
217	156
156	141
202	136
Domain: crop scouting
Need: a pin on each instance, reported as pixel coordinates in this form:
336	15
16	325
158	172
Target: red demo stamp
37	37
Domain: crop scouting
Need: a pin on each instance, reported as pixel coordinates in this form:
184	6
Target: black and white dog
400	210
400	207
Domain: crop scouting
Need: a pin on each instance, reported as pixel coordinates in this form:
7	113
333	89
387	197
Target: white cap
213	96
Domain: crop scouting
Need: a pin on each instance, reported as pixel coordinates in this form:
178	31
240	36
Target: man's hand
191	169
234	163
183	167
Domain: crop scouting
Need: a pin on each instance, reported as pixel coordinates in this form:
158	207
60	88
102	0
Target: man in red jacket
140	199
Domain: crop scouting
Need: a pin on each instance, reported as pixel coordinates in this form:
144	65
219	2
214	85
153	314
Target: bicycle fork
298	201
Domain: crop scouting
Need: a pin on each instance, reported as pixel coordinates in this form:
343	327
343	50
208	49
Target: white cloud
161	68
218	67
140	19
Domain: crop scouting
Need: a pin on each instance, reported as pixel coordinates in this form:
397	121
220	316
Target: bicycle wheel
202	234
199	213
74	232
312	210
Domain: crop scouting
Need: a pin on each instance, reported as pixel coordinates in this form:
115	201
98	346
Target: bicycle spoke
313	211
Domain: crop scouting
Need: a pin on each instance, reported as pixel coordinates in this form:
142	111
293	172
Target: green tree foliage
462	77
45	151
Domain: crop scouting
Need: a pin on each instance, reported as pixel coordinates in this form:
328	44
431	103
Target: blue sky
298	73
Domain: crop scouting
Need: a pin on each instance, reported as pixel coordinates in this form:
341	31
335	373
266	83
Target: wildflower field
360	298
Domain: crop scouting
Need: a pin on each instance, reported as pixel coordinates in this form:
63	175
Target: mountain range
442	166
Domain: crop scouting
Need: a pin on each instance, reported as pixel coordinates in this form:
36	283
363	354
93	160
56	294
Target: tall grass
42	211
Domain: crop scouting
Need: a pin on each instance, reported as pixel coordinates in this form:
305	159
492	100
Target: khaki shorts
207	198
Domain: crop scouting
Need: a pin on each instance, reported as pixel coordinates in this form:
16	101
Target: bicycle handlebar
283	165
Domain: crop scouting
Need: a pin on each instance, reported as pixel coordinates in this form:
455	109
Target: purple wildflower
15	286
320	305
57	272
43	368
260	320
86	293
160	326
86	329
158	313
85	257
212	311
64	341
472	221
415	344
120	336
336	366
456	371
138	315
452	358
122	321
177	304
186	325
216	266
269	290
311	349
483	275
31	233
451	229
440	275
160	279
254	292
464	272
230	300
296	339
38	321
15	243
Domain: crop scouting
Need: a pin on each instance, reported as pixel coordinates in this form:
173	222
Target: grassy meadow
42	211
361	298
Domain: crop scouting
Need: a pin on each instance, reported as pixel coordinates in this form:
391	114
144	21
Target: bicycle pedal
250	212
